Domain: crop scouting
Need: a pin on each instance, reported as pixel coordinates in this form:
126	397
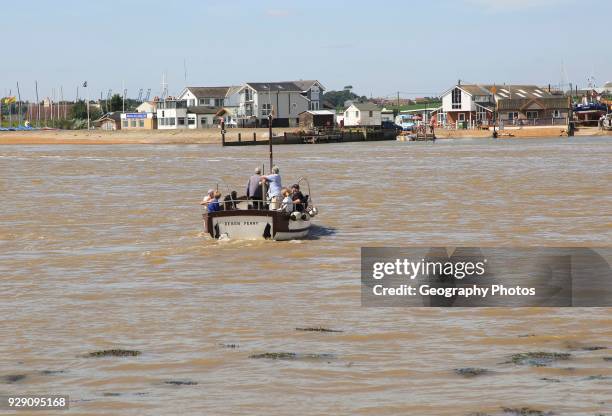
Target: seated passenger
299	200
287	204
213	205
229	202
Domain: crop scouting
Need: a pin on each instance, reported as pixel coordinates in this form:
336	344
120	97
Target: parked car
389	125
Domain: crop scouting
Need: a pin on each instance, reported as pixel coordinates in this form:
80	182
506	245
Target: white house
387	115
362	114
475	104
284	100
204	96
172	114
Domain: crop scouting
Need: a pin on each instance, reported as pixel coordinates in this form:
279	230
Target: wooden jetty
311	137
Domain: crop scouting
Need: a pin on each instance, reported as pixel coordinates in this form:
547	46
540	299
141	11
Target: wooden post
285	135
222	137
254	137
239	137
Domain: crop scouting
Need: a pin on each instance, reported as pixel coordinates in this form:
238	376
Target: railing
553	121
485	124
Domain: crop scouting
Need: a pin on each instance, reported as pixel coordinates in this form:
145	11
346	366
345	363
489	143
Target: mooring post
254	137
239	137
285	135
222	137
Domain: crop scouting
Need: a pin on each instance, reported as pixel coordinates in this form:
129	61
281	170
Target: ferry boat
243	219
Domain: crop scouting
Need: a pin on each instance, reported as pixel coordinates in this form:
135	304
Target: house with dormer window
283	100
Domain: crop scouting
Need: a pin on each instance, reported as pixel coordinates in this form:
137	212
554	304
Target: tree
79	111
337	98
116	103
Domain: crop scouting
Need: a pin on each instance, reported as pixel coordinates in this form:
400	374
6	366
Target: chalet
362	114
284	100
548	110
317	118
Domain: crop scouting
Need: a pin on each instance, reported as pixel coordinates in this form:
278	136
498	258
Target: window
346	114
141	123
371	114
124	123
218	102
461	116
556	113
356	114
181	121
170	121
202	101
456	98
191	120
247	95
513	115
532	114
203	122
266	109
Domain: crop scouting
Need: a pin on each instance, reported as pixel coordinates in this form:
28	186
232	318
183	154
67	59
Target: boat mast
270	140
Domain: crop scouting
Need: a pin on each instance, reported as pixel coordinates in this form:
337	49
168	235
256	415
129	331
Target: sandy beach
199	136
213	136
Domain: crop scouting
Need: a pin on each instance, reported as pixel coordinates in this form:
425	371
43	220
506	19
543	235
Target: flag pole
87	90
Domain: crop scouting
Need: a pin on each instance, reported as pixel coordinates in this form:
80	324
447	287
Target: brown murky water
101	247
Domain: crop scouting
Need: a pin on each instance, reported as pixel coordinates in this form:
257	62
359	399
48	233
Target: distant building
550	110
171	114
284	100
204	96
472	105
313	90
362	114
144	118
201	117
387	115
109	121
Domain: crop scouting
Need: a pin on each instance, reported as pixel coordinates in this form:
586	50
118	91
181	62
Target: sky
417	48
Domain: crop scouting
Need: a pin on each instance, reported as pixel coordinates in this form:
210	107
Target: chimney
458	82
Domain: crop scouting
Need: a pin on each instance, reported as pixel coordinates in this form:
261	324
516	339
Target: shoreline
213	135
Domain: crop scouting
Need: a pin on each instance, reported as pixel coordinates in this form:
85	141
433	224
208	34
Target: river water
102	247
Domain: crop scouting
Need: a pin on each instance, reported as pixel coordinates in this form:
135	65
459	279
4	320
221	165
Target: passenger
299	200
213	205
274	187
287	205
210	195
254	189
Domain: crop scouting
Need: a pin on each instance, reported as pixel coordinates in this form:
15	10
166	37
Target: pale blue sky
418	47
